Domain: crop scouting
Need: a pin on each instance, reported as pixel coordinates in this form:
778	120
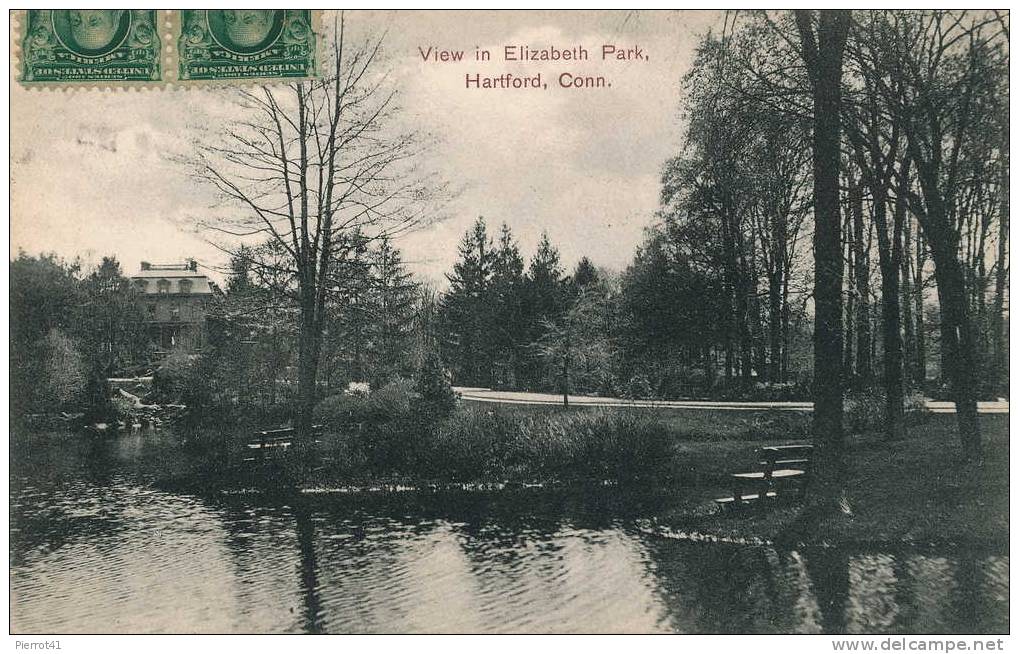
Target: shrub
357	405
393	400
280	410
176	376
435	395
389	447
639	387
915	405
64	375
608	385
341	410
776	392
123	407
863	409
678	381
376	426
98	406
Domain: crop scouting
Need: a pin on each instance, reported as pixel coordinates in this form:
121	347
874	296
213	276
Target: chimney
146	265
192	265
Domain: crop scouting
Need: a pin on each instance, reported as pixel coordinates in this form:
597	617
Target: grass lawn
915	490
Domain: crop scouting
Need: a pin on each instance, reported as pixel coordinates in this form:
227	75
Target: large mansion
175	298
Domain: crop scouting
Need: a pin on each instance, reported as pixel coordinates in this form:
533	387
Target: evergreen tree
508	302
252	332
394	300
546	299
584	276
544	283
351	312
109	323
238	280
466	310
673	315
435	395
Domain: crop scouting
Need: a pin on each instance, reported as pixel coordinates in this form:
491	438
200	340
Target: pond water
97	547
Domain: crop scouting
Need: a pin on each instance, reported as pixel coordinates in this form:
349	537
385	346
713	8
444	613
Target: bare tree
878	151
308	162
577	340
940	73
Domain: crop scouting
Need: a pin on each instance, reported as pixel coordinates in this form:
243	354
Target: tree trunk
890	261
746	334
920	364
786	320
906	301
775	325
894	363
877	169
823	57
729	360
307	363
861	260
566	371
848	368
958	343
1000	366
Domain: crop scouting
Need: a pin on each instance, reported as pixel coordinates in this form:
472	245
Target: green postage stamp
228	44
81	47
91	45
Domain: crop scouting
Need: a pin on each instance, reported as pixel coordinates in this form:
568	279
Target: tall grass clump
600	445
472	444
480	445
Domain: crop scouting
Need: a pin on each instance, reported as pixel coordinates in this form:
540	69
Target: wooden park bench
271	443
784	471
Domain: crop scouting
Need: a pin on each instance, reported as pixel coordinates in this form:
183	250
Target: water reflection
96	548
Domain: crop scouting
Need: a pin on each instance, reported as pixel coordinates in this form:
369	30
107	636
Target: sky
97	172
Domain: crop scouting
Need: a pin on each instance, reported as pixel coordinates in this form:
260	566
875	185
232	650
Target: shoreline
910	493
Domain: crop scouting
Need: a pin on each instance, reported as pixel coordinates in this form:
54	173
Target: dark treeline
375	329
72	327
916	105
903	116
507	324
664	328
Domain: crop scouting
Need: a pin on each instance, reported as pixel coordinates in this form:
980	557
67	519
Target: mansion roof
171	279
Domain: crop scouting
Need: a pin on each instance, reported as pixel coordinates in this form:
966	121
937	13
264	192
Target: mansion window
185	285
163	286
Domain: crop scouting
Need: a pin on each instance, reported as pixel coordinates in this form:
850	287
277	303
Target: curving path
521	397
